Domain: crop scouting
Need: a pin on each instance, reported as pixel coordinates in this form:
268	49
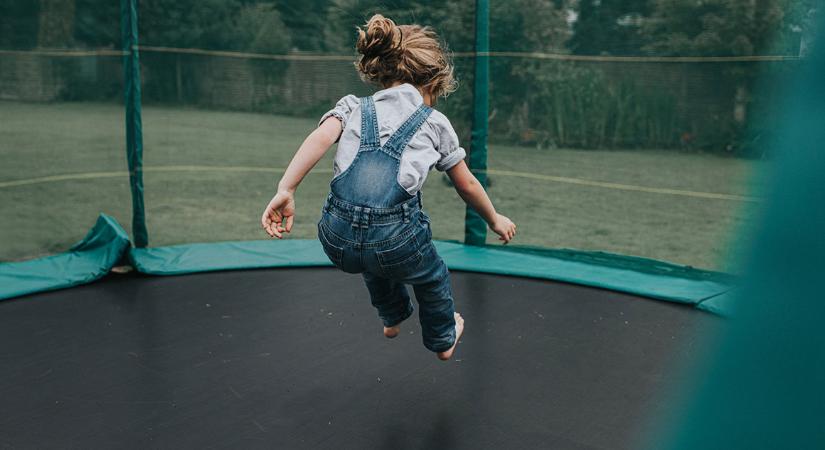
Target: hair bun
382	38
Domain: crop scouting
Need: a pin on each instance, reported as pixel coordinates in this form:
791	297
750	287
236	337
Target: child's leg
390	298
436	309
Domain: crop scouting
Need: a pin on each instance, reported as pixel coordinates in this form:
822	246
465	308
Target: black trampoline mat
295	358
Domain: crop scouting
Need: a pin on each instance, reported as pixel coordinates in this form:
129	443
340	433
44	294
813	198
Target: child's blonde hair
412	54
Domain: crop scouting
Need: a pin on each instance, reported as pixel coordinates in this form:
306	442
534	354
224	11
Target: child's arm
473	193
278	215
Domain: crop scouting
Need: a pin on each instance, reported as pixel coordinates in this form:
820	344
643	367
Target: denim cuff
441	344
393	321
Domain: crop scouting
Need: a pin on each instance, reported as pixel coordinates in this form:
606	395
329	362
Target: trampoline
294	358
581	336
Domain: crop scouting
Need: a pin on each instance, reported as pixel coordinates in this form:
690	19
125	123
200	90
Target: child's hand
278	214
504	228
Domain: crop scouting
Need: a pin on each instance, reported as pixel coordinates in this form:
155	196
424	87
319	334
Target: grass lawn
186	204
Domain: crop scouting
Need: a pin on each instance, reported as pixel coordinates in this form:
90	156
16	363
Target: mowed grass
246	150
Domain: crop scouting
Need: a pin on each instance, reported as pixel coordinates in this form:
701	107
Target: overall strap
369	124
399	140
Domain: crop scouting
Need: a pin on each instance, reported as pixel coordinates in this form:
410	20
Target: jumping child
372	222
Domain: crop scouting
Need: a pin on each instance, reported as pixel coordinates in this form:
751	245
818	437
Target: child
372	222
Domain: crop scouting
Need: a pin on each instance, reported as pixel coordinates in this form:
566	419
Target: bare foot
459	330
392	332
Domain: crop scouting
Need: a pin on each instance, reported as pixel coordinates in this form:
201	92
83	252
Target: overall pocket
401	260
334	252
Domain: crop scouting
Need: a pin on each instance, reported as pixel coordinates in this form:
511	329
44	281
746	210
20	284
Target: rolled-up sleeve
342	110
451	153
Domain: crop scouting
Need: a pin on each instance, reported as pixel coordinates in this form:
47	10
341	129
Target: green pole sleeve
762	385
134	126
475	229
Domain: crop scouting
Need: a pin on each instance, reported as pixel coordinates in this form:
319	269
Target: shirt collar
405	90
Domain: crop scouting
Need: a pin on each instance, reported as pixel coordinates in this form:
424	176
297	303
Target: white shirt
434	145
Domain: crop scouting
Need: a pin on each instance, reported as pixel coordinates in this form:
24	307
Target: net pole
134	125
475	229
775	339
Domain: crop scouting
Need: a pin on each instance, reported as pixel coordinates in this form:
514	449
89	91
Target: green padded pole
475	229
134	126
763	385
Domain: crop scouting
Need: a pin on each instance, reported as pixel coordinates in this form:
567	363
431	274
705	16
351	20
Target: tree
798	30
609	27
257	28
233	25
97	24
305	21
723	28
56	28
187	23
452	19
529	26
18	23
713	27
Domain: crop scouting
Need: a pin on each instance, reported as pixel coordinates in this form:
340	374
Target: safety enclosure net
626	127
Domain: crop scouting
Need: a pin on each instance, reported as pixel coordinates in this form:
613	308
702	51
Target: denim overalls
371	225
